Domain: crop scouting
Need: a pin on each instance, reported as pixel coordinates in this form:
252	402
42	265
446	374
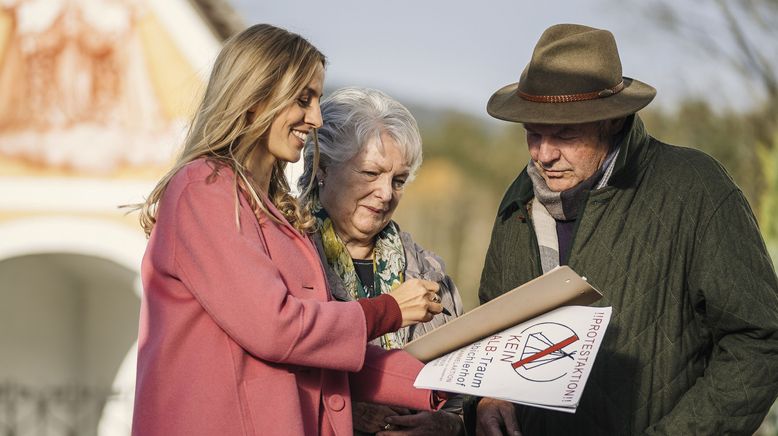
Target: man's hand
425	424
370	418
496	418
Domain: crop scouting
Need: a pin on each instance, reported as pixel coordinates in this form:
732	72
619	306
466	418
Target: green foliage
488	151
768	216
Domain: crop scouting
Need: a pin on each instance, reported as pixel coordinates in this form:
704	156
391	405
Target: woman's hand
425	424
418	300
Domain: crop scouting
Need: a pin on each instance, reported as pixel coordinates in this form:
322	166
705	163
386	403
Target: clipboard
559	287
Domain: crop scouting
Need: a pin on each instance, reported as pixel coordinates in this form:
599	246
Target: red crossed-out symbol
553	348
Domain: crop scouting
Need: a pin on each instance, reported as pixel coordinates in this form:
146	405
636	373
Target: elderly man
661	231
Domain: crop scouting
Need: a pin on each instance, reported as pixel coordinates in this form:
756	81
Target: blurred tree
769	227
485	150
748	45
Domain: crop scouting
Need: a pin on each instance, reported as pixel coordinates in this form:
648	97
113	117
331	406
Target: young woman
238	331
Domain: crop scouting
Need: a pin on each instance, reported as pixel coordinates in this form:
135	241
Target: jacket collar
634	147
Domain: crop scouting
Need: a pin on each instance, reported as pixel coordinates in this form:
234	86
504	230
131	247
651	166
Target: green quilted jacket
672	244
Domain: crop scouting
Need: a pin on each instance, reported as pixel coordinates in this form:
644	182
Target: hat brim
505	104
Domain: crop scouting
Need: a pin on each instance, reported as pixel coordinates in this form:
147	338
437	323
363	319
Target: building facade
94	100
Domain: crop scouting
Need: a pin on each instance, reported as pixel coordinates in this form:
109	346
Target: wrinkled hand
425	424
496	418
415	298
370	418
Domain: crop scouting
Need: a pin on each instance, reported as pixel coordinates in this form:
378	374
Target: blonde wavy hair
263	68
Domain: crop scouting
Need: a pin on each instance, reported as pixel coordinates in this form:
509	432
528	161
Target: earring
321	183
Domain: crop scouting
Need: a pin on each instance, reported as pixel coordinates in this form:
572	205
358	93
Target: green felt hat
574	76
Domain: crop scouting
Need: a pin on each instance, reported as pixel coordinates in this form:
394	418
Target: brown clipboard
558	287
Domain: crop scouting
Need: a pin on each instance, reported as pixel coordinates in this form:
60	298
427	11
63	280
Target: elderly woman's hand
418	300
425	424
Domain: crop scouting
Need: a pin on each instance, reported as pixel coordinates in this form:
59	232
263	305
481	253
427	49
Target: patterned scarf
388	266
548	206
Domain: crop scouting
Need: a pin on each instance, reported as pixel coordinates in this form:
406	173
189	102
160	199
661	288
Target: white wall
67	319
69	305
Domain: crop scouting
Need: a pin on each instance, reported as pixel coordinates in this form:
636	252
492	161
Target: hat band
567	98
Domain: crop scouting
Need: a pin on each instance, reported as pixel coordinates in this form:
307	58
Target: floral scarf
388	266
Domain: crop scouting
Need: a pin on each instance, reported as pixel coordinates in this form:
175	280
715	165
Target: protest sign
559	287
543	362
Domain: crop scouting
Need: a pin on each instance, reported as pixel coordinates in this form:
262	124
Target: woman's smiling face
290	128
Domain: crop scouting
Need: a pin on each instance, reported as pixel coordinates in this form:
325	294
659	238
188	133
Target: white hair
351	118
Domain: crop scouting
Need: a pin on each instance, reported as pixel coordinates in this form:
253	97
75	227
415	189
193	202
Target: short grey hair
353	116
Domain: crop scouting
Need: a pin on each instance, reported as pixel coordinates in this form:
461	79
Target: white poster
543	362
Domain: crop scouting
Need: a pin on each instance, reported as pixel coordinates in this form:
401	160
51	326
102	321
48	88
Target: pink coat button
336	403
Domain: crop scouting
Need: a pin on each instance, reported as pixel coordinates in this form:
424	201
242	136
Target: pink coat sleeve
387	378
232	276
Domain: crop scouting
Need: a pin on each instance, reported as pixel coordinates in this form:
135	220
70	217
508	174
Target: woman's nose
313	116
383	189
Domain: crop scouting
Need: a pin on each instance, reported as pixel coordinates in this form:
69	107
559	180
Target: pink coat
238	335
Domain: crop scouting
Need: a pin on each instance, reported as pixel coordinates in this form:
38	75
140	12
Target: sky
455	54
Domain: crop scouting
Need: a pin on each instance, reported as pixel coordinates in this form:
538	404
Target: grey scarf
548	206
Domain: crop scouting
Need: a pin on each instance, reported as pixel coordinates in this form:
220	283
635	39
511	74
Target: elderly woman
370	149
